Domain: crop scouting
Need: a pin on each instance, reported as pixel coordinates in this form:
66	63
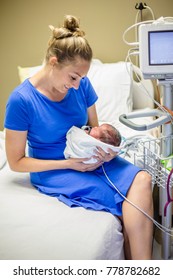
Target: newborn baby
82	142
105	133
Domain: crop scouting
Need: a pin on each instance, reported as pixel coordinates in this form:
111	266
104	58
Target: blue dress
47	123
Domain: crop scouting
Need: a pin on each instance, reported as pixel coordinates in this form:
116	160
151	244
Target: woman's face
69	75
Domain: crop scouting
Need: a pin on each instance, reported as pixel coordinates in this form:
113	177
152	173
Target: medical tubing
151	11
136	20
157	103
154	21
129	28
145	89
161	227
169	199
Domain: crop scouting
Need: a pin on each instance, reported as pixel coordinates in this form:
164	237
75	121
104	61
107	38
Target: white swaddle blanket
81	145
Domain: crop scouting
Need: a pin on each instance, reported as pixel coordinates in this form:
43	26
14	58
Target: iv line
161	227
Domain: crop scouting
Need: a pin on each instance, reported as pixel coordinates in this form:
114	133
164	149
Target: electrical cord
161	227
134	51
155	102
157	21
141	7
151	11
169	199
129	28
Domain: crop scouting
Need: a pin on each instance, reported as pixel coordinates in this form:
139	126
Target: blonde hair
68	42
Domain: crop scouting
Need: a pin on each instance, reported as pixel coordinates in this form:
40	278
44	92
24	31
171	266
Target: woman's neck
42	83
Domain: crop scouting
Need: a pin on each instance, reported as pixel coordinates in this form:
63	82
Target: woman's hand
79	165
103	156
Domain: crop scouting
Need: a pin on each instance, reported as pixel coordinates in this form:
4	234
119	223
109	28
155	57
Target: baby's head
107	134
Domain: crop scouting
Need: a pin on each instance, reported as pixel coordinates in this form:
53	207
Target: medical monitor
156	50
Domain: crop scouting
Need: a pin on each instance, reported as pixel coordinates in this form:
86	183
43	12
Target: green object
168	162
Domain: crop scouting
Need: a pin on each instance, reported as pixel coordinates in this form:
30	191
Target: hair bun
69	29
71	23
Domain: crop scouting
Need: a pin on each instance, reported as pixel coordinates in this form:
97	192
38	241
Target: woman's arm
92	116
15	150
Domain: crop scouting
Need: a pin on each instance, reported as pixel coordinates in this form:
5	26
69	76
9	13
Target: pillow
142	90
26	72
113	85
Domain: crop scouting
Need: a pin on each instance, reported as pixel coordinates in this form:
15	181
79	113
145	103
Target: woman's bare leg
137	226
127	251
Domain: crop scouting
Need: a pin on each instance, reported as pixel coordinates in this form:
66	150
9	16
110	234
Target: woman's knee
145	177
144	180
141	186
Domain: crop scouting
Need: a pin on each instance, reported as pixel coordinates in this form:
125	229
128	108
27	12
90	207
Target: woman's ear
53	60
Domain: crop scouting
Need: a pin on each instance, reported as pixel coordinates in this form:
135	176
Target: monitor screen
160	47
156	50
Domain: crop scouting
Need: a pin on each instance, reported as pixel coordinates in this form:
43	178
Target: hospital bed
36	226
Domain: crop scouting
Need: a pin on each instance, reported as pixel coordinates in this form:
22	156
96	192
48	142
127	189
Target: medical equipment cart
157	158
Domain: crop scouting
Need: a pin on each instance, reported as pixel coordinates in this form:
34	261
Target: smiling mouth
66	87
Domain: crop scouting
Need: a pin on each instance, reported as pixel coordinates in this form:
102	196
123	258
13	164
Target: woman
42	109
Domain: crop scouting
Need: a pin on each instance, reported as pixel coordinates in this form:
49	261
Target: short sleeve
90	94
16	115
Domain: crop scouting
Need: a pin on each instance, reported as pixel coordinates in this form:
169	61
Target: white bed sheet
2	149
36	226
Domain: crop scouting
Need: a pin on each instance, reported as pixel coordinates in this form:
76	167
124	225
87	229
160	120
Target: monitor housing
156	50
